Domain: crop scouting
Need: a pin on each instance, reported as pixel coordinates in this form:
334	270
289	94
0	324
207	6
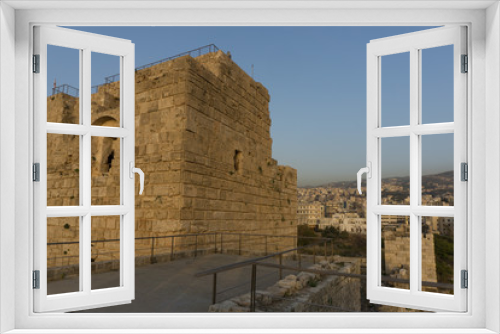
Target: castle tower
203	141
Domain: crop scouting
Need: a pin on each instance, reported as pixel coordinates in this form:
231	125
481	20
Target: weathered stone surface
397	256
304	278
277	291
243	300
225	306
289	283
263	297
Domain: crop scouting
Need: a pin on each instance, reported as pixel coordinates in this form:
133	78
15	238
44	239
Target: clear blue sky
316	77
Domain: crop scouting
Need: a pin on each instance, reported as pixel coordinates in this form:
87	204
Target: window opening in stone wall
292	225
111	157
238	161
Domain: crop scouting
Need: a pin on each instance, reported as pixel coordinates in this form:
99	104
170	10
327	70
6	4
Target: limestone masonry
202	139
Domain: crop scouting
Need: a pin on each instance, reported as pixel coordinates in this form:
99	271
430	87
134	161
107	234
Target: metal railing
168	247
193	53
258	261
66	89
70	90
280	267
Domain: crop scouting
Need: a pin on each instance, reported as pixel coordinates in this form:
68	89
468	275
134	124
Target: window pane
437	170
63	255
105	171
437	84
63	170
105	90
105	256
395	171
395	251
63	85
395	89
437	253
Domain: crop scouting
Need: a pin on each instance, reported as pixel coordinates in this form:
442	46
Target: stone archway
105	150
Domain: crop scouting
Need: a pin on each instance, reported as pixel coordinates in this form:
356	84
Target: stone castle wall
397	256
203	141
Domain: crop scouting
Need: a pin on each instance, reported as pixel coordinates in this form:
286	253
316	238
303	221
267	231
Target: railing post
314	254
195	245
214	289
266	245
331	243
222	243
172	249
300	258
325	250
153	258
239	244
252	287
296	245
281	263
215	243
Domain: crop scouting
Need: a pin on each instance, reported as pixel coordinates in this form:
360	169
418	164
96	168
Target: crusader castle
203	140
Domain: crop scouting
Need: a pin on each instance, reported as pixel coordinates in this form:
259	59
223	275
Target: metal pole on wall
153	258
281	263
214	289
172	249
253	287
215	243
266	244
239	244
195	245
331	243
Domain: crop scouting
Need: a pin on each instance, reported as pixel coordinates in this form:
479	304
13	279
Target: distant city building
348	222
310	212
445	226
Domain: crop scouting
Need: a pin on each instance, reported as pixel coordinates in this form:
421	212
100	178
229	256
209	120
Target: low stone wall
337	293
304	292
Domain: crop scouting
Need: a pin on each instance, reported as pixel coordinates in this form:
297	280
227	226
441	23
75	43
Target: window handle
133	170
368	171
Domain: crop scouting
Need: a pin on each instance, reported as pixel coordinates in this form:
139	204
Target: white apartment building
310	212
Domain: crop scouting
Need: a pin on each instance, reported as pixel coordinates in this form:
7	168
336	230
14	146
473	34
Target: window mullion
415	190
417	236
85	160
82	233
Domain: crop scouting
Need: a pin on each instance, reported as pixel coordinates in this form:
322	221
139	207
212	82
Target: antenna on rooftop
252	72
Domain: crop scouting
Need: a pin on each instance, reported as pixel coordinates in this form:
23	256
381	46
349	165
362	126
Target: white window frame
482	18
85	44
414	43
